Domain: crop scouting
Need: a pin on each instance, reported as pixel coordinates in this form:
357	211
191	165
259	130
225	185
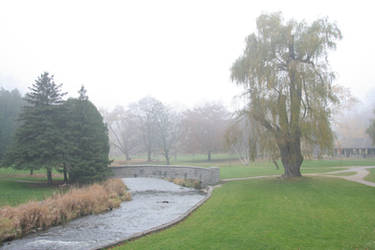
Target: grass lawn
306	213
371	176
181	158
17	186
232	169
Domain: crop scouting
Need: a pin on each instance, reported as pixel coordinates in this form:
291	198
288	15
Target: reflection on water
154	202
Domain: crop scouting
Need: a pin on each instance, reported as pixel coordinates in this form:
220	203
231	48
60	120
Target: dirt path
361	173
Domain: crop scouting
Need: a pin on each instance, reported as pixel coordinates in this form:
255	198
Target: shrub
61	208
7	230
186	182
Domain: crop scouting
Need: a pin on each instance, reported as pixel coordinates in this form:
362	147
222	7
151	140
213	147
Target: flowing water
154	202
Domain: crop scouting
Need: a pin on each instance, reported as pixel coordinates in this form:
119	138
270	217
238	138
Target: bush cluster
186	182
60	208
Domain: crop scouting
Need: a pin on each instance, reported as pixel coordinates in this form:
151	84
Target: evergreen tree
10	107
86	158
38	139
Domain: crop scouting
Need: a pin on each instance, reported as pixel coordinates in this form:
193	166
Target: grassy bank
14	192
18	186
186	182
60	208
309	213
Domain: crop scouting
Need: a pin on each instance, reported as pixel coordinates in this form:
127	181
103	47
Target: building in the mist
354	148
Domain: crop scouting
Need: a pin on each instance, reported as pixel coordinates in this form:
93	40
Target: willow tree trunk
291	157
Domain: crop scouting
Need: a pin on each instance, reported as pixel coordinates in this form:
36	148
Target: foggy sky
176	51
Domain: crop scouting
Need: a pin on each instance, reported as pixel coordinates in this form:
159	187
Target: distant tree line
53	133
44	131
11	103
371	130
149	128
152	128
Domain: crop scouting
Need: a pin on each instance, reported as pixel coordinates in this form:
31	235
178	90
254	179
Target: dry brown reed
60	208
186	182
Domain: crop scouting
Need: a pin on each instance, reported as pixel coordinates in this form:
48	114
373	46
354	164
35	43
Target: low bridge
206	176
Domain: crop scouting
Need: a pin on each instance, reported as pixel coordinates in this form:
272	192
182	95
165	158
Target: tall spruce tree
86	156
38	139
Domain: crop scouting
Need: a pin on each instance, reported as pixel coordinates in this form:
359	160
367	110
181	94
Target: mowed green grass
181	158
345	174
371	176
15	189
304	213
233	169
17	186
13	193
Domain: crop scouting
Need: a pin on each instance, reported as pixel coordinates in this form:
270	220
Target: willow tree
287	79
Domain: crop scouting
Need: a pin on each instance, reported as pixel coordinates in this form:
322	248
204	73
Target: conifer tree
38	139
87	148
10	106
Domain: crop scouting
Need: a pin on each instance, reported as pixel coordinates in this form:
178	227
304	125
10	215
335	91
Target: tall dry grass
61	208
186	182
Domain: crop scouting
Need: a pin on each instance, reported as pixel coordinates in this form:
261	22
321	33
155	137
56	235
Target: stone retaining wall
207	176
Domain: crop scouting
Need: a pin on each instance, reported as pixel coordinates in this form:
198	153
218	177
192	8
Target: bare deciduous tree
123	133
145	111
168	123
204	128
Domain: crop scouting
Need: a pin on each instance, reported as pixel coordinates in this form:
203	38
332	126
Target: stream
154	202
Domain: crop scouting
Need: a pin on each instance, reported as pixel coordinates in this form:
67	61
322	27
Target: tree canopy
65	135
37	141
10	107
145	111
289	85
86	141
204	128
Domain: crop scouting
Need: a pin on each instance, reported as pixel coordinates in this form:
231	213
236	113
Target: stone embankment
206	176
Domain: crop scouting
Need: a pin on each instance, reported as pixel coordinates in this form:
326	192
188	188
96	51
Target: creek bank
186	182
154	203
33	216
